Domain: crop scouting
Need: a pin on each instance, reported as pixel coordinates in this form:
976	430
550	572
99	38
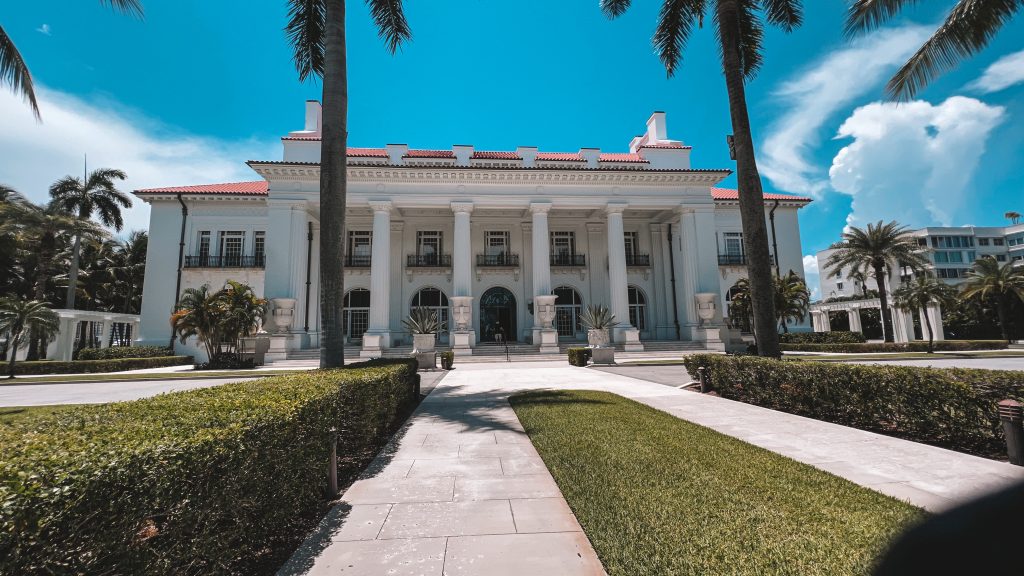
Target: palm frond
305	32
675	24
786	14
14	72
391	24
751	38
614	8
130	7
865	15
970	26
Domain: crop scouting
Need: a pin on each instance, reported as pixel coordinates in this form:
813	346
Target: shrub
579	356
447	359
223	480
91	366
836	337
952	408
227	361
118	352
916	346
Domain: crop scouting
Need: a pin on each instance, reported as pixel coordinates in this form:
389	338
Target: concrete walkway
462	491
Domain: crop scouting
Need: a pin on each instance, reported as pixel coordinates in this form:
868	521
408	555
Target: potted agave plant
424	325
599	321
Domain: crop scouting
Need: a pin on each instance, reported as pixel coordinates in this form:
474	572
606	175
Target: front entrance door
498	316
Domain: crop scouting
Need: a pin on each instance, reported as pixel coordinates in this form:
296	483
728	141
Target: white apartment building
486	238
950	251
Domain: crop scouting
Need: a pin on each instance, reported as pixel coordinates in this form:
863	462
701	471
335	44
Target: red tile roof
730	194
254	188
621	158
495	155
368	152
560	156
429	154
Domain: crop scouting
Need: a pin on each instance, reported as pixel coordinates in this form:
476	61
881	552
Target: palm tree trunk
928	325
69	301
13	351
883	298
1001	312
333	176
751	199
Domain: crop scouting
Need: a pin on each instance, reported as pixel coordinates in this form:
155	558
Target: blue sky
188	94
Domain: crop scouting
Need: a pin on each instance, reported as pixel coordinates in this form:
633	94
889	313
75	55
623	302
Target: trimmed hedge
579	356
118	352
223	480
90	366
836	337
953	408
916	346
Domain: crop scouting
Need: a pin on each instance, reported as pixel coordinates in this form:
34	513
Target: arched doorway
568	308
637	309
436	301
356	314
498	316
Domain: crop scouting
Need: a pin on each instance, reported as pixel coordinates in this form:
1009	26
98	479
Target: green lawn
658	495
11	414
120	377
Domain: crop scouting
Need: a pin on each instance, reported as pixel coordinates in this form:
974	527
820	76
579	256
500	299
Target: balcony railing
737	259
357	261
230	261
569	260
497	260
429	261
638	260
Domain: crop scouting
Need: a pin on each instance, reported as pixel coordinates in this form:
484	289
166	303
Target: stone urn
598	338
462	312
281	314
705	306
544	308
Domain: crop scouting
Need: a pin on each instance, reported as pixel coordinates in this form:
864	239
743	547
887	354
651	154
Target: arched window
435	300
568	308
637	308
356	313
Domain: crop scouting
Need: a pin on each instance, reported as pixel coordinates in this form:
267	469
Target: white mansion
484	237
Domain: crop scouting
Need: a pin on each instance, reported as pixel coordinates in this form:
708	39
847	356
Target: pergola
902	320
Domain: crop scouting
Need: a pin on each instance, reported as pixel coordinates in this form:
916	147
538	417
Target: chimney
656	130
591	155
313	116
396	153
528	154
463	152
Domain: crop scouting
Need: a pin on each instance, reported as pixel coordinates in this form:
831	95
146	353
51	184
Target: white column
462	253
380	278
618	284
935	315
686	275
541	248
855	323
107	325
826	322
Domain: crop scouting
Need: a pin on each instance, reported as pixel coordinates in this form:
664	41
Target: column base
278	349
712	338
463	342
374	344
629	337
547	339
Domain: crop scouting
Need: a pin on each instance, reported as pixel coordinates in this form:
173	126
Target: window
1000	257
568	308
733	243
998	242
1015	240
637	309
956	256
942	257
630	239
922	241
204	248
496	243
839	285
259	247
563	243
356	314
982	241
360	247
231	248
952	241
435	301
972	255
951	272
428	246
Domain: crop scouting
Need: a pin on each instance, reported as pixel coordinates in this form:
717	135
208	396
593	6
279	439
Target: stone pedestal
548	340
462	343
629	337
712	339
604	355
278	349
373	346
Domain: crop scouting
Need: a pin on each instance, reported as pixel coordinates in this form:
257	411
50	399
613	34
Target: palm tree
19	317
316	30
14	71
129	270
875	250
243	312
199	315
919	294
969	26
792	299
97	194
740	30
987	280
1013	217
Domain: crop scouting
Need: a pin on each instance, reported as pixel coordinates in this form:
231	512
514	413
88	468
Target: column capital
462	207
540	207
616	208
380	205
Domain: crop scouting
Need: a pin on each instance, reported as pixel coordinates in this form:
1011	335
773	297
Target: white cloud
816	94
811	276
1001	74
37	154
912	162
44	29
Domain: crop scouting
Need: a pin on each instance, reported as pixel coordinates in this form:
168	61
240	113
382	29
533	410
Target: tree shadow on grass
551	397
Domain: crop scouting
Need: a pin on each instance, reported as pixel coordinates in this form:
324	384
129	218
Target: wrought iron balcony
229	261
429	261
738	259
569	260
497	260
357	261
638	260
